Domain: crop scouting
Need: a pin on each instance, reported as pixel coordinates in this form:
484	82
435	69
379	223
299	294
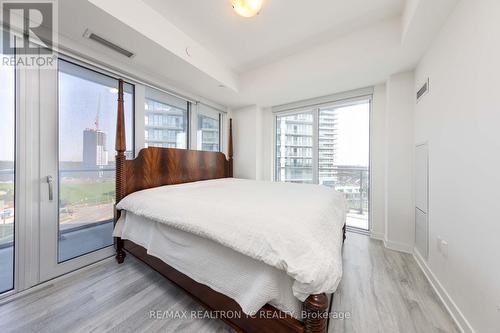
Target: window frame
314	144
194	109
16	177
212	113
140	86
100	71
131	149
315	109
159	96
315	106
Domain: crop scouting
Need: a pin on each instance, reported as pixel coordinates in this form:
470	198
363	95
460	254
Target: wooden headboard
155	167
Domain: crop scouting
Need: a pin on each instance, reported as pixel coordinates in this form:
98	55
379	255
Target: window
172	122
165	120
344	146
340	159
7	176
209	129
294	148
87	127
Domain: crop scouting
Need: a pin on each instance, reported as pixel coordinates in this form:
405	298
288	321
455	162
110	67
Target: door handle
51	187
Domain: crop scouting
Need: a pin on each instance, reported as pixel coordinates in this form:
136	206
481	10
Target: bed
182	213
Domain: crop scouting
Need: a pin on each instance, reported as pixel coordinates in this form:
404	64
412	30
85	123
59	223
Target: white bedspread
296	228
249	282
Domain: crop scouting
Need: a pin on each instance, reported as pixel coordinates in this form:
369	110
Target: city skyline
342	140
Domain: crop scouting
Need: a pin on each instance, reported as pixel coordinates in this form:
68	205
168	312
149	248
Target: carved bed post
230	149
316	314
120	147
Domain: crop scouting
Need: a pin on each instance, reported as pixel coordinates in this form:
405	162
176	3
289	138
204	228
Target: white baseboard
448	302
377	235
398	246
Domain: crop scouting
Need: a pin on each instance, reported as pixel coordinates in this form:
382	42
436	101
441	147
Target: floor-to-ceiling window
328	145
208	136
87	127
7	176
165	120
66	118
344	154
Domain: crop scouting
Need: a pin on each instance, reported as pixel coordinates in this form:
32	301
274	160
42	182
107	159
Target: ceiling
293	50
151	62
282	28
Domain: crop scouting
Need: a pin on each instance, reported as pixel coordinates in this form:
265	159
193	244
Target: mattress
251	283
295	228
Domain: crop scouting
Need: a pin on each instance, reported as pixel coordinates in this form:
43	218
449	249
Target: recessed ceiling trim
139	16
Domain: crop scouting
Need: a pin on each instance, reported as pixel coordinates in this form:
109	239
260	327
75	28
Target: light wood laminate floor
382	290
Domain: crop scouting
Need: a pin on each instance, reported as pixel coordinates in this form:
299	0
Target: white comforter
249	282
296	228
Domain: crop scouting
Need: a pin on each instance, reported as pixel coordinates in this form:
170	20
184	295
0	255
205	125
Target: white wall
248	142
460	118
400	225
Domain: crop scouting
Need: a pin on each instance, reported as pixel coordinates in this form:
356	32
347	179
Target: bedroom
277	166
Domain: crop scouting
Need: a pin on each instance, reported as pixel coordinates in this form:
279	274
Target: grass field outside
87	193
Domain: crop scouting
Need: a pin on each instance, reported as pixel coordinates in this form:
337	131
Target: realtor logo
29	34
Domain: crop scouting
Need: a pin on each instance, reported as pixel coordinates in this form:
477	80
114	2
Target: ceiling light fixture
247	8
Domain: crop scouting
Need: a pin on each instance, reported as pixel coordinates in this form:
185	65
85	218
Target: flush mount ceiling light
247	8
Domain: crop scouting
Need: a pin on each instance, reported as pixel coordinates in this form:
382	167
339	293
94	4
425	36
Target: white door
422	199
77	169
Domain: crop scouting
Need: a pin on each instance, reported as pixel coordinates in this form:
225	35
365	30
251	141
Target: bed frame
155	167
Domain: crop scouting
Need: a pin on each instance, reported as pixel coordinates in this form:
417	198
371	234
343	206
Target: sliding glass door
344	154
329	145
79	167
87	122
57	149
7	176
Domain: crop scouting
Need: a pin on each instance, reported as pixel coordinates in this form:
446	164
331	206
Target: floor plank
381	291
385	291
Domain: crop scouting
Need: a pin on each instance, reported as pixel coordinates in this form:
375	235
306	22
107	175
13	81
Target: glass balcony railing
86	200
353	181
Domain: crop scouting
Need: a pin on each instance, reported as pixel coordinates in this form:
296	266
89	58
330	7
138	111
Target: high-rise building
208	133
327	146
165	125
95	152
294	144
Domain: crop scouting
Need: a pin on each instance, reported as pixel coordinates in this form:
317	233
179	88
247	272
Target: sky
79	101
353	141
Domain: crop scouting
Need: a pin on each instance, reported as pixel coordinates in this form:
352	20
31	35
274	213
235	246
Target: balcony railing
353	181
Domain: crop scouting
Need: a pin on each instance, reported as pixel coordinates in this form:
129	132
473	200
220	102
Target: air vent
96	38
422	91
